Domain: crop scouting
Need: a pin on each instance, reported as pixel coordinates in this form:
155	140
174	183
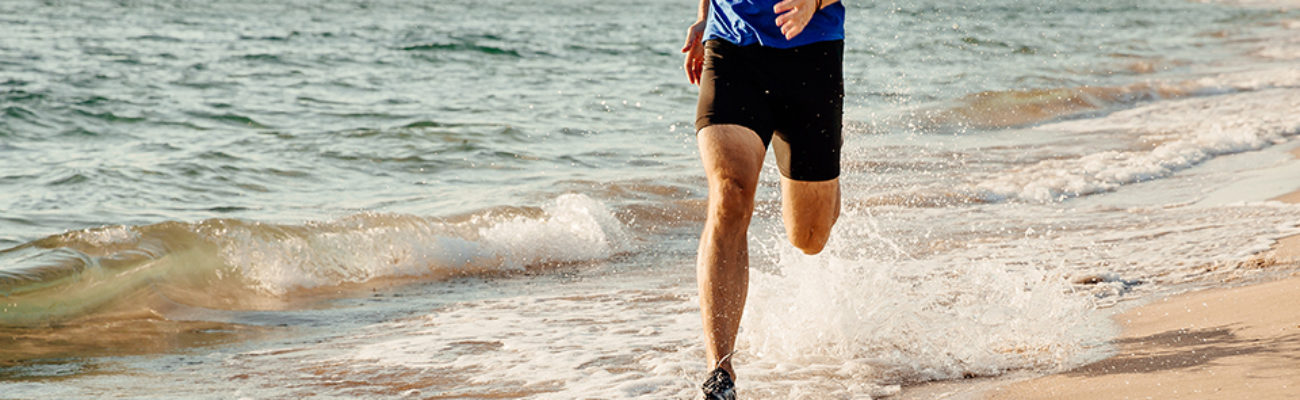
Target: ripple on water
21	113
108	116
229	119
70	179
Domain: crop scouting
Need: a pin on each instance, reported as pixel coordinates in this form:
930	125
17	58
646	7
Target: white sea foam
863	313
919	320
1187	132
560	347
1252	78
108	236
576	228
1282	44
896	298
830	329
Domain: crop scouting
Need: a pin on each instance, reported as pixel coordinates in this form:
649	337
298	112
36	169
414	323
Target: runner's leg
809	210
732	157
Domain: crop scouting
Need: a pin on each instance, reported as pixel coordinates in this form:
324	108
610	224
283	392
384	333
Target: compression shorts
792	98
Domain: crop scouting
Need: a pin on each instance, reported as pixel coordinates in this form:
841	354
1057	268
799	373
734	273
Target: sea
456	199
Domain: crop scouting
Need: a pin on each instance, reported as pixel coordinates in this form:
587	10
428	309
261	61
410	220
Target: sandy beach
1240	342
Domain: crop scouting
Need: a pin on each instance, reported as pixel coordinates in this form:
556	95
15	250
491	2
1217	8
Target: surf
232	264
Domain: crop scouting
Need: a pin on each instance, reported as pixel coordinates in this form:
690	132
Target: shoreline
1240	341
1226	342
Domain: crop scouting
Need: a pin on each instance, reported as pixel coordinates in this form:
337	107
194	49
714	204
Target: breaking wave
234	264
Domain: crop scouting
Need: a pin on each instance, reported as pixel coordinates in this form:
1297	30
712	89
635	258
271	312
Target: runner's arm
694	49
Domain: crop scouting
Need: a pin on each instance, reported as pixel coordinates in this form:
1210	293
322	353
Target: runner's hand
796	15
694	50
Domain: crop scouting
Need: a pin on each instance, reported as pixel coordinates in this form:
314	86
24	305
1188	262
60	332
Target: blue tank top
746	22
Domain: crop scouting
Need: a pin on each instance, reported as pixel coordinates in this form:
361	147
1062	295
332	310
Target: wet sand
1241	342
1293	197
1221	343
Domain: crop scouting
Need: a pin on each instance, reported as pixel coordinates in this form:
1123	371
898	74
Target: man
770	71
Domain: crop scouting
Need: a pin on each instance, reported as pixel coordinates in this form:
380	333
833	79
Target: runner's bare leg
732	157
809	210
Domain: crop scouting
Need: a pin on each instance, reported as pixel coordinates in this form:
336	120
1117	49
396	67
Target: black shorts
796	94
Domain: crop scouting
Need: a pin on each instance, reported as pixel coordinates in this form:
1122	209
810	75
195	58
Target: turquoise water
455	198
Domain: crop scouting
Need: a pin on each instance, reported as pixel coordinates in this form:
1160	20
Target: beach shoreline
1236	340
1189	345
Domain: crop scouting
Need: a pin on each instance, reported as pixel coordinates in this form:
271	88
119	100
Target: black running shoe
719	386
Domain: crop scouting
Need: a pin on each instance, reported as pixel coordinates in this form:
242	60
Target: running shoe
719	386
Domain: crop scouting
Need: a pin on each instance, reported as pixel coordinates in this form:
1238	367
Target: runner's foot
719	386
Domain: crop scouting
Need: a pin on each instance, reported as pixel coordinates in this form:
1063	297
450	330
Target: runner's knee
809	210
735	198
810	240
811	236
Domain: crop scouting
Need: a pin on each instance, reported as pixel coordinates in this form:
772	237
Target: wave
462	46
1221	114
1232	113
244	265
1022	107
1177	134
229	119
1281	43
19	112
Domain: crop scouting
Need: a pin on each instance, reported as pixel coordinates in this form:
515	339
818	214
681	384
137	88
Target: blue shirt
746	22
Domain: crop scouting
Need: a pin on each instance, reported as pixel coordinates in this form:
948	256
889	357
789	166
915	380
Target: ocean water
455	199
